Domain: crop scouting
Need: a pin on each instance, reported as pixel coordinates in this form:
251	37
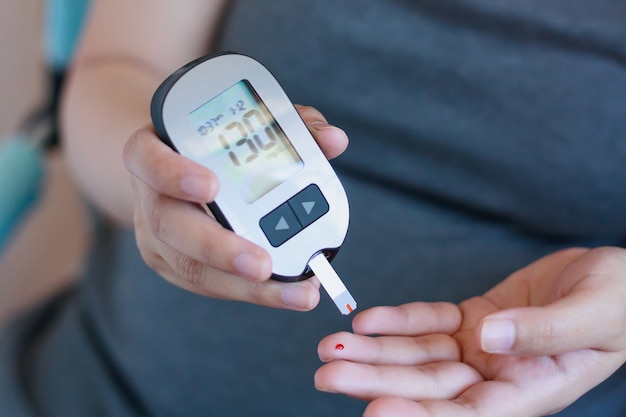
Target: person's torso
515	109
483	135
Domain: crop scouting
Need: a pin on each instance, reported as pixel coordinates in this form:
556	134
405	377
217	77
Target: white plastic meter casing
277	189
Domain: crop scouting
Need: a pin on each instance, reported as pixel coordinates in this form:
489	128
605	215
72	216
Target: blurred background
46	251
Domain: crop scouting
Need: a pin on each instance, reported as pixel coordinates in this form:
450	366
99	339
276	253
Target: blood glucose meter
277	189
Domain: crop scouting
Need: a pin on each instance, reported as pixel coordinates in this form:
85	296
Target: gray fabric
484	134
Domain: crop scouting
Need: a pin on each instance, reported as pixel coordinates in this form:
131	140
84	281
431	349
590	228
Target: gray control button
280	225
309	205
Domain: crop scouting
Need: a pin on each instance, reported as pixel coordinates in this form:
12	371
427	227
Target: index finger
331	139
389	350
166	171
411	319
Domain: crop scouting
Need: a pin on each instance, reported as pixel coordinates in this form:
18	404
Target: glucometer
277	189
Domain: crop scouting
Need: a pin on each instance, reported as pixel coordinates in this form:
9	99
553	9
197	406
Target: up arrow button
282	224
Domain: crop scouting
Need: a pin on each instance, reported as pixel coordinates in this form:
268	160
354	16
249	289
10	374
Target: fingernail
325	389
250	265
319	125
297	296
197	186
497	335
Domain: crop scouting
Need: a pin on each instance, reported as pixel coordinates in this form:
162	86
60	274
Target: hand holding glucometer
277	189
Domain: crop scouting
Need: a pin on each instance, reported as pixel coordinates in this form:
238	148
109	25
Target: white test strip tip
333	285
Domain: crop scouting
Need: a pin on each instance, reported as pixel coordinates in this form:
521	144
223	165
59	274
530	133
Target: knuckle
309	112
422	347
150	257
549	336
144	243
156	222
130	152
449	314
210	248
615	327
127	151
303	108
438	347
191	270
258	294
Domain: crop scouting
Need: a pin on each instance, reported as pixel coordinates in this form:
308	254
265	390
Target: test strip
332	284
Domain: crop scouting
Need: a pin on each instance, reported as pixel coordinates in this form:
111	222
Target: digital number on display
244	137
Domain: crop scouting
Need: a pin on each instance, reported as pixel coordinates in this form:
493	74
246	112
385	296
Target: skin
125	170
530	346
189	248
432	359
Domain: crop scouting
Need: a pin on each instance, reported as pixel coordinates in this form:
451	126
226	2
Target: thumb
568	324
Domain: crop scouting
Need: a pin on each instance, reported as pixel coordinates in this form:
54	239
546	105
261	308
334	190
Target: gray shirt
484	134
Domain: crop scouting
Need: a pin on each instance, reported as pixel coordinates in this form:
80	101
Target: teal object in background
22	158
63	24
21	182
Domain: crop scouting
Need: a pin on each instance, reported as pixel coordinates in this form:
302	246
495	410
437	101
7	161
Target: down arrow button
309	205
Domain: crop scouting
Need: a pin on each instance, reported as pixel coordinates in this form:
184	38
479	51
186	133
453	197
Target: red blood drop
339	346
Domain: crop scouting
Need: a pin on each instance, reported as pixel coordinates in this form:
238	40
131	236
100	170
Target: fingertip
332	140
322	349
166	171
253	265
539	331
319	380
332	346
300	296
392	406
315	281
497	335
368	321
329	377
130	151
200	187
